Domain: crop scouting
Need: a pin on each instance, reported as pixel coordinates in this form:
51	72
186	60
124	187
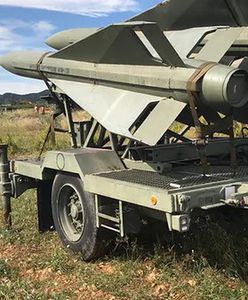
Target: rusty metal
233	156
5	186
200	136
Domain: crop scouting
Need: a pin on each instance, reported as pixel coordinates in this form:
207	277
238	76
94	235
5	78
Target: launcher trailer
179	61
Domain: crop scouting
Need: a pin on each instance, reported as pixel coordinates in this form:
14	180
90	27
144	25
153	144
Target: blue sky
26	26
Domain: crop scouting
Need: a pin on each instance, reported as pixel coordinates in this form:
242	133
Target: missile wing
114	40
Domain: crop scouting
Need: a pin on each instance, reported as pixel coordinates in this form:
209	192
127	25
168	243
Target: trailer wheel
74	217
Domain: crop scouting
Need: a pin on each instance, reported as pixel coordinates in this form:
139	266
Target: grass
210	262
24	131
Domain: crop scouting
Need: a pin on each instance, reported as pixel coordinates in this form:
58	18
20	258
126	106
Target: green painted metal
160	167
115	223
29	168
222	40
65	38
175	200
178	14
77	161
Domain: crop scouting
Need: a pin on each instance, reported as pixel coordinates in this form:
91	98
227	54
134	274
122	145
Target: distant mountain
9	98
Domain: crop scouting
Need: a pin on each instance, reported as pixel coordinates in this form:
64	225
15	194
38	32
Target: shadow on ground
218	238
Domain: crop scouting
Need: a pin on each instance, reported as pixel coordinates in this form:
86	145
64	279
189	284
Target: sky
25	25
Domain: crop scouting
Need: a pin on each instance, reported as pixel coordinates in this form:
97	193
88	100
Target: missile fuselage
221	87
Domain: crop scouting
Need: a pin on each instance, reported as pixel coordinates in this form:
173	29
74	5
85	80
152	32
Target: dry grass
24	131
19	121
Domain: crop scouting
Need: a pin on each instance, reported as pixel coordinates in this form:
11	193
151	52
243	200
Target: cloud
8	39
43	27
14	25
81	7
19	35
21	87
14	37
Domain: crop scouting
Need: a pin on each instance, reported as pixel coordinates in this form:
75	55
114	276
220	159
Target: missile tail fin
222	40
131	114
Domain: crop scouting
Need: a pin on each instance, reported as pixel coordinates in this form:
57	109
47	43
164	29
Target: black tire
74	217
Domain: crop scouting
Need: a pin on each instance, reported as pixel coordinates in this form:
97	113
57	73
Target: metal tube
70	123
5	186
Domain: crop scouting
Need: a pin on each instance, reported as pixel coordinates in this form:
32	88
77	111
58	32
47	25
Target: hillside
10	98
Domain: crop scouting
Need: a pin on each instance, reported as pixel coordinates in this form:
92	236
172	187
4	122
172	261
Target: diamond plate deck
182	177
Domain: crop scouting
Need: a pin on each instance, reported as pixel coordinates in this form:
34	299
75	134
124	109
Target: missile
221	86
114	75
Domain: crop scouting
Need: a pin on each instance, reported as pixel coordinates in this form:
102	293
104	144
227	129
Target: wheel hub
71	213
74	211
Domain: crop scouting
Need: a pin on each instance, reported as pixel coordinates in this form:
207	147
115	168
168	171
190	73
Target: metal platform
185	183
178	178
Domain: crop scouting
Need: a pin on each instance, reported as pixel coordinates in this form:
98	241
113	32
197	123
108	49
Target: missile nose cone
65	38
6	62
22	63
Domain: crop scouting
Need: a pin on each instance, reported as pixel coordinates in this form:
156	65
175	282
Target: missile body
221	87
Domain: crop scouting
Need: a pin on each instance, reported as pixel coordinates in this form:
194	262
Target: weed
60	262
5	269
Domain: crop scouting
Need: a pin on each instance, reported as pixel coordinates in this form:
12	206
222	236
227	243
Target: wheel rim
71	213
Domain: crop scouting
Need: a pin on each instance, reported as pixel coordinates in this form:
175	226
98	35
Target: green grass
210	262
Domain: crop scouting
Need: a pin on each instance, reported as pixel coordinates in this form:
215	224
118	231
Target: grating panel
181	177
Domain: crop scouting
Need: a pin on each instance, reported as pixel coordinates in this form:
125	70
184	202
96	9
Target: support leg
5	186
